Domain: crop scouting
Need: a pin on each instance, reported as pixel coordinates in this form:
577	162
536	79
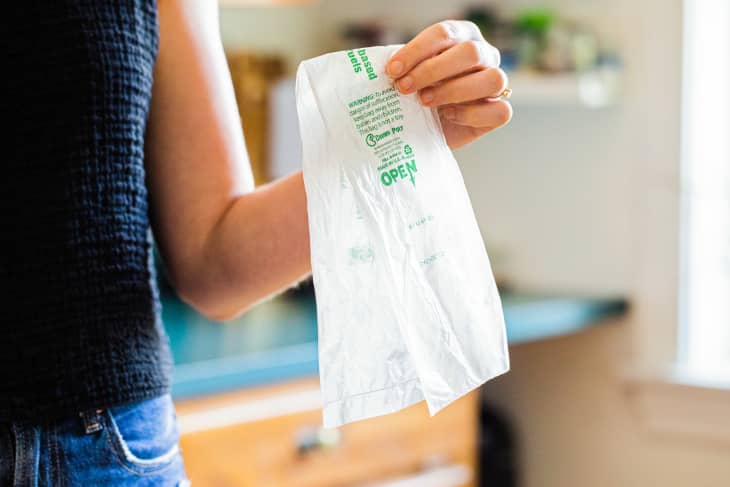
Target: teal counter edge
528	318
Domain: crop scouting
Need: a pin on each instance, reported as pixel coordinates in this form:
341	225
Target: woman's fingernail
426	96
405	83
449	113
395	68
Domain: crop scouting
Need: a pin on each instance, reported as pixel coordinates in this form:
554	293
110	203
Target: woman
124	119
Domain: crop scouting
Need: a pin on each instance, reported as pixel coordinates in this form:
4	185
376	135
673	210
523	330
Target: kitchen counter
277	340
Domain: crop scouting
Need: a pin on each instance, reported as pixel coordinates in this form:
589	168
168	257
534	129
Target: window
705	274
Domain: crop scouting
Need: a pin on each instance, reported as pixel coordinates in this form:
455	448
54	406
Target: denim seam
128	465
56	455
20	450
134	459
48	467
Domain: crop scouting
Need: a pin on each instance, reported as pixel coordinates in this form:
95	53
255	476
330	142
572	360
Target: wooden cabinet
271	437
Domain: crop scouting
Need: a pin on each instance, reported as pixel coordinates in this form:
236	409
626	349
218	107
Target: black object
497	449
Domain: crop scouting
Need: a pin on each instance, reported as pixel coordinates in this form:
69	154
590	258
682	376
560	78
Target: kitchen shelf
592	89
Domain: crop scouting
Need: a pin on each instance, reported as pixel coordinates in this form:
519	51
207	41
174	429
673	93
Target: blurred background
605	208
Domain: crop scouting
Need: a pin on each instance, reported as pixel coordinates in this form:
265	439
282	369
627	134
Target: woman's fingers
462	58
453	67
485	114
430	42
475	86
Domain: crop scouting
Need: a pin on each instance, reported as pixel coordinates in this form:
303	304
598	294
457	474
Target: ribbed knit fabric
80	313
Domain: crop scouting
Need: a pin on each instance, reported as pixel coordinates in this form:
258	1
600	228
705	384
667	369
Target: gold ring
505	94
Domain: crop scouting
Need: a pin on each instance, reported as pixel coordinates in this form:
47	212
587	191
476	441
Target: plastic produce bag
407	306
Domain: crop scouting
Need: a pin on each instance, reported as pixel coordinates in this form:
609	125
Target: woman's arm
226	245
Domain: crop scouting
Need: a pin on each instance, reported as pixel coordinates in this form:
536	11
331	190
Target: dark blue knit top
80	313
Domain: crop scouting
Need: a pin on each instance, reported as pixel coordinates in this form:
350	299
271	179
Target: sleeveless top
80	320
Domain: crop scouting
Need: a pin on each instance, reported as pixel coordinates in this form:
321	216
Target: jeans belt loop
92	420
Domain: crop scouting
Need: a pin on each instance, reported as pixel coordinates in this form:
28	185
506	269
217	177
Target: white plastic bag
407	306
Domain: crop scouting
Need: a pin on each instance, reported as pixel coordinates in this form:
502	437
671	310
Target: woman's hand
453	68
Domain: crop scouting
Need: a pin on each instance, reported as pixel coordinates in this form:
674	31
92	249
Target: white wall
288	31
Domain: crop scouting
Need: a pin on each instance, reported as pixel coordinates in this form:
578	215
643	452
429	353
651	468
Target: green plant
535	22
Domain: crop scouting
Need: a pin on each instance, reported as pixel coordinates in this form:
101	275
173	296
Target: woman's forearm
259	246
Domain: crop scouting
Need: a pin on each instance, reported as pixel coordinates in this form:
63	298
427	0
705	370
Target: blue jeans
135	445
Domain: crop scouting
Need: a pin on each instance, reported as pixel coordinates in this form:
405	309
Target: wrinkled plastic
407	306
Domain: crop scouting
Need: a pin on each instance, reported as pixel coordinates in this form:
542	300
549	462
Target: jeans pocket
144	436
